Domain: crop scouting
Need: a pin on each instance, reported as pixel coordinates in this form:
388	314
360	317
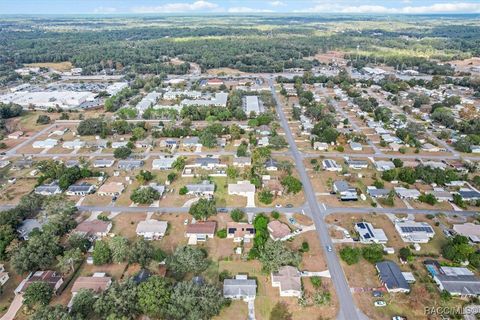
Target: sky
237	6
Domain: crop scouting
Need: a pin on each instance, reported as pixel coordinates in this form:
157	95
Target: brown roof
206	227
93	226
50	277
273	185
240	229
277	229
288	277
96	284
111	187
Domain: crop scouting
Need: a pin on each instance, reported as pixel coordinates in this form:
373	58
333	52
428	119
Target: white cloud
277	3
178	7
461	7
246	10
105	10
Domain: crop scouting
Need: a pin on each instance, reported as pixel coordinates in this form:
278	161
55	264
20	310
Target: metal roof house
412	231
240	288
48	189
163	163
81	189
391	277
377	193
251	104
103	163
130	164
331	165
203	189
368	234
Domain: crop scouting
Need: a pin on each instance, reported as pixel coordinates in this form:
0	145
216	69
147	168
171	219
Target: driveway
251	309
251	200
13	308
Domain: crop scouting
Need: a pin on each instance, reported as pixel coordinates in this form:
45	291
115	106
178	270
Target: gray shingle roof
391	275
239	287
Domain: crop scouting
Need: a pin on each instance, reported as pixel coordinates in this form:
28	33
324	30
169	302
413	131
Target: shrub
350	255
222	234
237	215
275	214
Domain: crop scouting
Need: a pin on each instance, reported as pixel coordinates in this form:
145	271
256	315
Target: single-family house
346	192
331	165
4	276
271	165
242	162
207	163
29	225
94	228
368	234
412	231
130	164
75	144
251	105
163	163
391	277
97	283
22	164
240	231
111	189
201	231
382	165
119	144
355	146
374	192
357	164
205	188
404	193
44	144
278	230
152	229
103	163
49	189
469	230
72	163
191	142
240	288
288	280
441	194
81	189
15	135
320	146
52	278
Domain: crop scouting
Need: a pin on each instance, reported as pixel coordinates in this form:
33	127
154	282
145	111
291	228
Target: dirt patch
58	66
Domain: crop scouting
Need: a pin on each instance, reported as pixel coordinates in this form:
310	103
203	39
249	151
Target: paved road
348	310
30	140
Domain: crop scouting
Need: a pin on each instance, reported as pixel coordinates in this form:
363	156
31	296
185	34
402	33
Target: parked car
222	210
185	222
377	293
399	318
329	248
380	303
292	220
289	205
278	206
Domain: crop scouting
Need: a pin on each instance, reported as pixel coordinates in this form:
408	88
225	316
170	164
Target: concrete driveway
13	308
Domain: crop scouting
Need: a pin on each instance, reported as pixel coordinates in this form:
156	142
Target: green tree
82	304
237	215
38	253
373	253
232	172
154	297
274	254
203	209
179	163
292	184
144	195
56	312
265	196
183	190
145	176
192	301
405	254
119	249
101	253
38	293
350	255
187	259
69	260
119	301
141	252
122	153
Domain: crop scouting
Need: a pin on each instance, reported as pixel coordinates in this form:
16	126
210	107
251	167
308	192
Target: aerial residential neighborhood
216	159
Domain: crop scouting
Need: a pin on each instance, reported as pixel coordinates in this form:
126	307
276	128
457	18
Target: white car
278	206
380	303
185	222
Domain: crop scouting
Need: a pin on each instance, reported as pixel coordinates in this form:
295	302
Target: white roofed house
384	165
205	188
331	165
119	144
346	192
403	193
243	189
103	163
251	105
111	189
242	162
412	231
163	163
152	229
368	234
191	142
43	144
75	144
